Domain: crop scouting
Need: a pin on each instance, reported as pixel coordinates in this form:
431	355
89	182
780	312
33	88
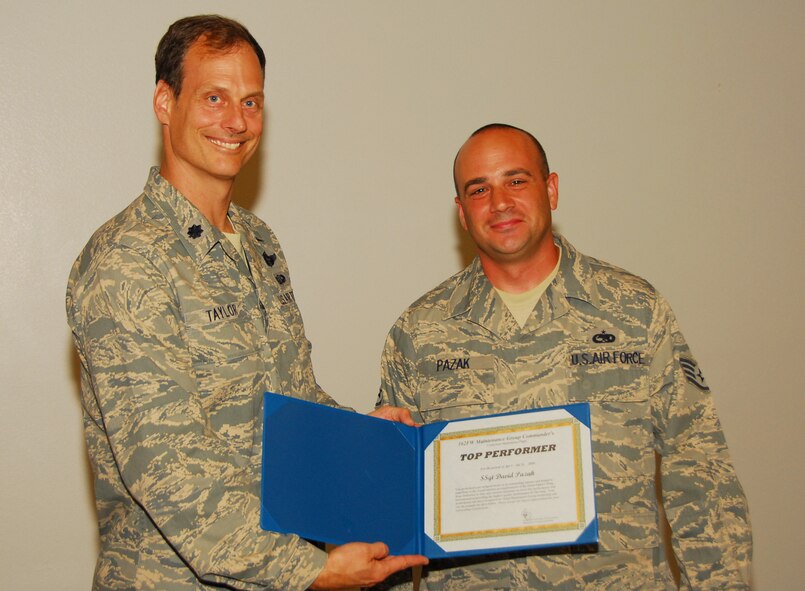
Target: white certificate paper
509	480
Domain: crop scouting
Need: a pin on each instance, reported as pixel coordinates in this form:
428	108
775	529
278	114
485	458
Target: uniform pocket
627	531
620	413
229	370
220	334
616	383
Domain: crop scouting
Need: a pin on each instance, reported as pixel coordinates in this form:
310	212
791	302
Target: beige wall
677	130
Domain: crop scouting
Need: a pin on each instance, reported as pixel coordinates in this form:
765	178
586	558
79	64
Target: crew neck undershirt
237	242
522	304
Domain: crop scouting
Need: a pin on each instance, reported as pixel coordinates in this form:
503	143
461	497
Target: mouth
225	145
505	225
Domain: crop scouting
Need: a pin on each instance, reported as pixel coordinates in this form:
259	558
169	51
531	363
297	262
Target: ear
552	187
460	213
163	102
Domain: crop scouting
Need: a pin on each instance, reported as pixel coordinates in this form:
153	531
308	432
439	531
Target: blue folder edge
336	476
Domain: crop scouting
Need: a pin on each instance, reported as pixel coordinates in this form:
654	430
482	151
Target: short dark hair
544	168
215	31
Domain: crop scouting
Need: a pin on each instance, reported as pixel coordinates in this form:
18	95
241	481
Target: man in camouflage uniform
183	314
534	323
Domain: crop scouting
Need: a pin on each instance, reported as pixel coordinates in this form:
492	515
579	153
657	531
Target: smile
227	145
505	224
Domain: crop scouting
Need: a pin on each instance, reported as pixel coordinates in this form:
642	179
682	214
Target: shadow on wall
250	181
75	374
464	244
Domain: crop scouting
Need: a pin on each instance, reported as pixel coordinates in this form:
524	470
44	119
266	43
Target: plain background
676	128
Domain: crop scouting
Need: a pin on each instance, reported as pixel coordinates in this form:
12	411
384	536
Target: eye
477	192
214	99
518	182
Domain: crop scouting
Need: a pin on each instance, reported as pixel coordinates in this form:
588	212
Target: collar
575	278
193	229
475	297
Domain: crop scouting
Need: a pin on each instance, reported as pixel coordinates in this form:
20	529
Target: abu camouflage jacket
604	336
178	337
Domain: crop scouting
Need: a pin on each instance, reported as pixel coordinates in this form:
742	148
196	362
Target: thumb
378	550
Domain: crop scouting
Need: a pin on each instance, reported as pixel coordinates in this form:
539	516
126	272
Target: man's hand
362	565
394	413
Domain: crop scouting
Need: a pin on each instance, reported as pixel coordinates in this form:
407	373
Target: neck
518	276
210	195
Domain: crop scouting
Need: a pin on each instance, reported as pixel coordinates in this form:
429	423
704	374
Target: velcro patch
459	363
693	374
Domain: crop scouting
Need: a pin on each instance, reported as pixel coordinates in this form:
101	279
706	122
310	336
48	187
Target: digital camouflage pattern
178	338
598	335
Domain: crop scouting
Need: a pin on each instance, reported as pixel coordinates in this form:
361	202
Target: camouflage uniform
178	338
602	335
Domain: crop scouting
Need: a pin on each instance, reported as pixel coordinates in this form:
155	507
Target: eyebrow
215	89
516	171
476	181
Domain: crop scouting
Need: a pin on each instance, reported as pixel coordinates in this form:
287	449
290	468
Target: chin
227	171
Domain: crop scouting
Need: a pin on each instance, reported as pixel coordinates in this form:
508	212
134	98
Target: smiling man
182	315
532	323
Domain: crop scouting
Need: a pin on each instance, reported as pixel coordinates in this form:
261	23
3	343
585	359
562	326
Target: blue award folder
471	486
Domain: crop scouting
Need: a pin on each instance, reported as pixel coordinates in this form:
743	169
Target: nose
234	122
499	199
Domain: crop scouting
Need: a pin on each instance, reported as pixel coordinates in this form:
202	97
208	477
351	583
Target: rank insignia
195	231
693	374
269	259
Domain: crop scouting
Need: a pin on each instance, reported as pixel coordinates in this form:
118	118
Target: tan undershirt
522	304
235	239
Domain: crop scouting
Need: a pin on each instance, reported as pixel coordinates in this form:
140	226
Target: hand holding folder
359	564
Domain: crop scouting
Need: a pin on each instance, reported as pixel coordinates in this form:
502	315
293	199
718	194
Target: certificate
514	480
471	486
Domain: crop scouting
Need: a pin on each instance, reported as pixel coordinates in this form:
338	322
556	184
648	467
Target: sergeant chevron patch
694	374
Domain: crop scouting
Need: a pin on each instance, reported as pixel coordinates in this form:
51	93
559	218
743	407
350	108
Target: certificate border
580	522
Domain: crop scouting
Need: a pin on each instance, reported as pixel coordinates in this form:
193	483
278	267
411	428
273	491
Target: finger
402	415
380	412
394	414
405	418
378	550
396	563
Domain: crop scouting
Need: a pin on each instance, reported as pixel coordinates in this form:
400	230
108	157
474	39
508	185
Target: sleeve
398	375
702	497
197	489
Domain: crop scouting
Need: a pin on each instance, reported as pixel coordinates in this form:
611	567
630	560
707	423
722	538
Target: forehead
204	64
497	149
